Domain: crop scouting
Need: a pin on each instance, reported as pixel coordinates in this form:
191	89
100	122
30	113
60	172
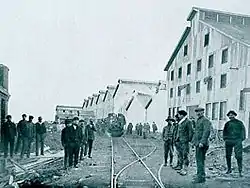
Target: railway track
135	158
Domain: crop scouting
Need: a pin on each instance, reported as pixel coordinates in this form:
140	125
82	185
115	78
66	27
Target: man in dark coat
40	135
200	141
233	134
129	128
154	127
21	124
184	135
28	134
83	125
91	137
8	134
65	142
75	140
167	136
140	129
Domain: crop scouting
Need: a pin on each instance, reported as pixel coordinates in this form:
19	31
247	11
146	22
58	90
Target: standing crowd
77	139
24	133
181	133
142	130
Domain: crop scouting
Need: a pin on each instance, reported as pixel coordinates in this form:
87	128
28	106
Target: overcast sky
60	52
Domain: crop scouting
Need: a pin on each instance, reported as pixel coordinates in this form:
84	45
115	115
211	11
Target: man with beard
233	134
183	137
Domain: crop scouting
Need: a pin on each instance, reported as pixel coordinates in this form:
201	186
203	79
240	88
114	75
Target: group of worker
181	132
77	138
142	129
24	133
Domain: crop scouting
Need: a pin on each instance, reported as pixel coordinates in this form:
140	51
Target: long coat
234	130
202	131
90	132
8	130
184	132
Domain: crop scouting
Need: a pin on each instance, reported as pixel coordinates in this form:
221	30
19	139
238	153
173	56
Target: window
171	92
242	100
172	75
206	40
199	65
180	72
208	110
224	56
179	91
78	113
215	107
223	108
188	89
198	86
223	81
211	61
63	111
189	69
209	84
185	50
169	112
70	111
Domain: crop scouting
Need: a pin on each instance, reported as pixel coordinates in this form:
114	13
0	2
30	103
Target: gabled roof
178	47
239	33
197	9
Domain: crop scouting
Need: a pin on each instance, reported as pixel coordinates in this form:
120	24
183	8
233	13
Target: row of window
224	59
209	82
206	43
213	111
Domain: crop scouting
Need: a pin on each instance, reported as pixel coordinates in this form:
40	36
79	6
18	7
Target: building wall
157	110
237	80
135	113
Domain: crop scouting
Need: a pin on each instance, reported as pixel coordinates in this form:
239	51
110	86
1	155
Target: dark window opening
209	84
223	81
206	40
210	61
198	86
224	57
199	65
180	72
179	91
172	75
171	92
188	89
189	69
185	50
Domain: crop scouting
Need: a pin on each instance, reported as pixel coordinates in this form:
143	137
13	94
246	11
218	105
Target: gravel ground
95	172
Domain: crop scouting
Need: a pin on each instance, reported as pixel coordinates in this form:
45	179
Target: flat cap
231	112
67	121
199	109
31	117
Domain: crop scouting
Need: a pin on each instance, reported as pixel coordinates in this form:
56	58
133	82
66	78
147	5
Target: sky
62	51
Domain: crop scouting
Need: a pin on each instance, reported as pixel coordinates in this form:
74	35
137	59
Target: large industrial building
210	67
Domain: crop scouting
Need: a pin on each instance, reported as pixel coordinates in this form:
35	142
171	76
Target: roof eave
192	14
178	47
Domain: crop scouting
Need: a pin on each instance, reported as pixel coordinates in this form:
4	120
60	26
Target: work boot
183	172
178	168
165	164
229	171
239	162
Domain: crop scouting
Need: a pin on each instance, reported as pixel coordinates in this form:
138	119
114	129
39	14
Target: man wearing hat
90	129
82	125
28	134
75	140
200	141
40	135
8	134
21	124
65	142
167	136
233	134
183	137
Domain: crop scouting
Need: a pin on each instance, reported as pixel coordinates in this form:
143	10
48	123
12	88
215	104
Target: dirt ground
95	172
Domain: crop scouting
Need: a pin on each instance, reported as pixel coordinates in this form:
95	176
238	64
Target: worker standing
8	134
154	127
40	135
83	125
129	128
22	123
28	134
233	134
200	141
65	142
90	137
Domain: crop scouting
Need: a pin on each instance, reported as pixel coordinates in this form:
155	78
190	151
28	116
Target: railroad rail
114	177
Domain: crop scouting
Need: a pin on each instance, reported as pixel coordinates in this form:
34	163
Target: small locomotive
115	124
